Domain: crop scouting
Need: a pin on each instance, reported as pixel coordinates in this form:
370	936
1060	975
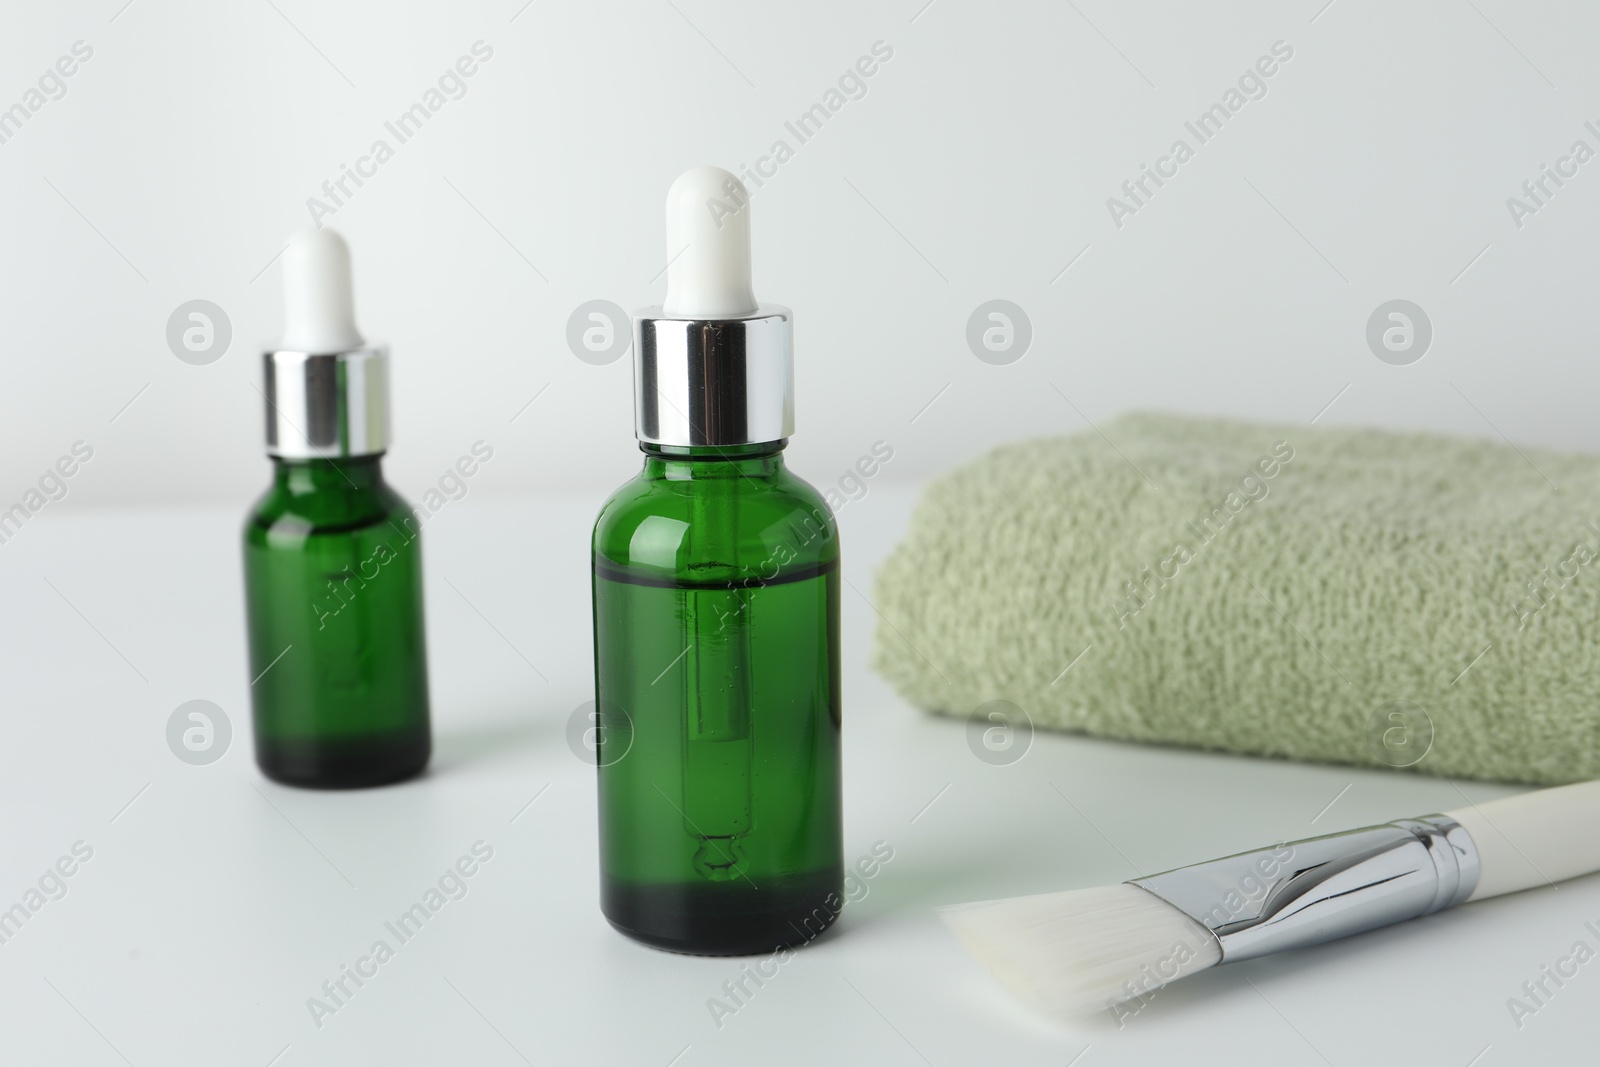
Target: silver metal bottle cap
327	405
713	382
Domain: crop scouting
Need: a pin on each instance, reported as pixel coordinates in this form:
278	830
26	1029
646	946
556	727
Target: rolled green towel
1341	595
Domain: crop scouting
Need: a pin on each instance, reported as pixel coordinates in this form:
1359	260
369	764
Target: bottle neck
353	473
678	463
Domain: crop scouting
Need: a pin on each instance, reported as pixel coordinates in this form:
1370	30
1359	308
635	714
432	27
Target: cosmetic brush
1091	949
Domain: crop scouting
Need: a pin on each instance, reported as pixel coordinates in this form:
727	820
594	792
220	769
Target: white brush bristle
1084	950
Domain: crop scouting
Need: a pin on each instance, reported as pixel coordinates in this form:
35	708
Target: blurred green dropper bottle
332	563
716	615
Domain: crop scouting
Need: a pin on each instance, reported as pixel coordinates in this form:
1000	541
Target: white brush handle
1534	839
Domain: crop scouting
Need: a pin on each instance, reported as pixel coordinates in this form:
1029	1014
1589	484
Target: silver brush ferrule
327	405
1324	888
713	382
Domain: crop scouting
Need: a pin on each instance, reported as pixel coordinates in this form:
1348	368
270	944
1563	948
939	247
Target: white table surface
216	902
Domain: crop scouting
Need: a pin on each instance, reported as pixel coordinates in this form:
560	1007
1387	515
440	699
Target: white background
976	167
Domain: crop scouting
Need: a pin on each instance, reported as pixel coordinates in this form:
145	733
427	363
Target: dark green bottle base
354	764
725	918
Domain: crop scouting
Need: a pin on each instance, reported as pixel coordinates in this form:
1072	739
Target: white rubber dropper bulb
708	245
318	300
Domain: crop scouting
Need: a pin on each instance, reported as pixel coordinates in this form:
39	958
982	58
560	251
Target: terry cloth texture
1339	595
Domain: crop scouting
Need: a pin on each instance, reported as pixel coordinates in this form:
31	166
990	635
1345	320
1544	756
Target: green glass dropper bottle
332	563
716	614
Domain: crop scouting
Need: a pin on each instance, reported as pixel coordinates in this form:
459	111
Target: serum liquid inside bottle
716	608
332	563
